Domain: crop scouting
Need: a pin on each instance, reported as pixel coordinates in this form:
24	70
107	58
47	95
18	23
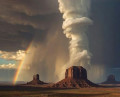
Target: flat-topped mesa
111	80
76	72
75	77
36	80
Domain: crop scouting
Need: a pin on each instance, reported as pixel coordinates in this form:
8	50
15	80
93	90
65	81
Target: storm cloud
20	20
38	22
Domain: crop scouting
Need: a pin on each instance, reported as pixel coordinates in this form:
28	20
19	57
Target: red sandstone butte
36	80
75	77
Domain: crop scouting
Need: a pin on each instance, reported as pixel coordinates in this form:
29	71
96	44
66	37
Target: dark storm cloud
20	20
30	7
105	33
13	36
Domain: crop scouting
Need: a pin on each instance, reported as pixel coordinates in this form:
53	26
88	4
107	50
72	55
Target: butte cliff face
75	77
111	80
76	73
36	80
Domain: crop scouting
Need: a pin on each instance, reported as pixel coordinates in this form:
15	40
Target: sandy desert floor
30	91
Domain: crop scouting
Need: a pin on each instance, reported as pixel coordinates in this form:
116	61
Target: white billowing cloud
12	66
8	66
19	55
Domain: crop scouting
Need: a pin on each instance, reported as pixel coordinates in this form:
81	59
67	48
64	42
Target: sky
38	21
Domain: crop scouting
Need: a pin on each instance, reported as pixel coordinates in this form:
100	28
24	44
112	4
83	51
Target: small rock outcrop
111	80
75	77
36	80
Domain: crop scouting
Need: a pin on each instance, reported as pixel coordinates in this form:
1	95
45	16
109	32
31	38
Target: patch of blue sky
3	61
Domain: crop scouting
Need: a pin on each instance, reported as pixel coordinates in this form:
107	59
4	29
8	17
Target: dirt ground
36	91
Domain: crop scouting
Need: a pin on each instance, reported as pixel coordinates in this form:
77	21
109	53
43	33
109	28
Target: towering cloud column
76	22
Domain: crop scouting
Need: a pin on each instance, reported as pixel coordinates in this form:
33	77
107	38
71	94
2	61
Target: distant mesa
36	81
111	80
75	77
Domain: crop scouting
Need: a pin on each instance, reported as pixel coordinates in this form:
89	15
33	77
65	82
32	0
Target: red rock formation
111	80
35	80
75	77
76	73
